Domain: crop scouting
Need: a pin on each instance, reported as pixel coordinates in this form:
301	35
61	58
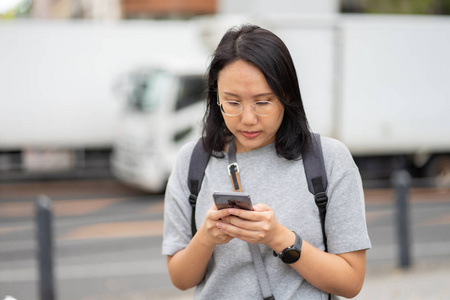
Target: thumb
261	207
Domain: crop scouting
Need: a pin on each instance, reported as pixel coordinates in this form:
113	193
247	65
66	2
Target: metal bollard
45	247
402	181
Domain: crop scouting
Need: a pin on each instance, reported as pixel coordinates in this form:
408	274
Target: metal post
45	247
402	182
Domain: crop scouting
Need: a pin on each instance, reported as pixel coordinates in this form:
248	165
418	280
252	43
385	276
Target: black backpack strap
317	178
197	167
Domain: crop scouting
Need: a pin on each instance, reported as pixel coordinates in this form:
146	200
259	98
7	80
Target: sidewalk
424	280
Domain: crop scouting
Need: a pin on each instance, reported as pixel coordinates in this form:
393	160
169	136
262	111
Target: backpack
314	170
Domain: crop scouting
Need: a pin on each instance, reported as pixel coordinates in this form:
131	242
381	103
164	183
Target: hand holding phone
232	200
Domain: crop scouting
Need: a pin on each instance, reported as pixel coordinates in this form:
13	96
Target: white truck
165	106
380	84
59	112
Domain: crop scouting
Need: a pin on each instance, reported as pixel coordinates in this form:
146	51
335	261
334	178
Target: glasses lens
231	108
264	108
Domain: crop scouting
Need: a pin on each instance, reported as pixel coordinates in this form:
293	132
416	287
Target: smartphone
232	200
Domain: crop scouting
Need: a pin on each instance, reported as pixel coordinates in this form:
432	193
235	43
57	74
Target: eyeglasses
234	108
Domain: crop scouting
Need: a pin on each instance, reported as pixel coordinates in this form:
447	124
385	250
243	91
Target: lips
250	134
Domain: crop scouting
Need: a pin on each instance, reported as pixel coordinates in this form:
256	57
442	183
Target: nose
248	116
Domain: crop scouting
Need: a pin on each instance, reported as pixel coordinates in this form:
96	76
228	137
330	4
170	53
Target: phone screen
232	200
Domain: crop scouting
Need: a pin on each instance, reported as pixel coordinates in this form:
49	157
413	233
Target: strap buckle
192	199
235	165
321	199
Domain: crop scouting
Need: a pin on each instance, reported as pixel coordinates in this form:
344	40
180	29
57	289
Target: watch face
291	256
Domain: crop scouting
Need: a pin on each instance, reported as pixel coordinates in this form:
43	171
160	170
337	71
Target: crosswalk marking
442	220
60	207
116	230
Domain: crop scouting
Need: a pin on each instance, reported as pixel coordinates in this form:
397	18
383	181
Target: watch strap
297	247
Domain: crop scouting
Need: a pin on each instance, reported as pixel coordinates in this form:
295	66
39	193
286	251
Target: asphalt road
107	239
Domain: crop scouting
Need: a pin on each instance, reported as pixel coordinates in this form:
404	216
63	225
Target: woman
254	102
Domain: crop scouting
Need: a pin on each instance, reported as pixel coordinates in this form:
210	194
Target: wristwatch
291	254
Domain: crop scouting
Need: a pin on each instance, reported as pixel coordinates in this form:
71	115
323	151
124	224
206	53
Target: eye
233	103
263	103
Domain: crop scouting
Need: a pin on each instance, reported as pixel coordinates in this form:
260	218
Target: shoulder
331	146
336	154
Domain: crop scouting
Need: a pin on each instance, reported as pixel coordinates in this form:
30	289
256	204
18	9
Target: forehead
242	75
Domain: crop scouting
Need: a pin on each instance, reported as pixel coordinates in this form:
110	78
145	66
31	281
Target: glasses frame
242	107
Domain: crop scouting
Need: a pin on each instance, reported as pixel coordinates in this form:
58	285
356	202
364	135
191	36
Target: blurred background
98	96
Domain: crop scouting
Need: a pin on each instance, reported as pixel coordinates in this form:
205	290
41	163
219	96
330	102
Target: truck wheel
438	169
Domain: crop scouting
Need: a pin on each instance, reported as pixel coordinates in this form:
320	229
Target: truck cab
165	106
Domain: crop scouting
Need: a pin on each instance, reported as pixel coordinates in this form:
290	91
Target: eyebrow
255	96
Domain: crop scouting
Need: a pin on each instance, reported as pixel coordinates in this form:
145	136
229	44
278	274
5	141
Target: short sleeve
177	209
345	221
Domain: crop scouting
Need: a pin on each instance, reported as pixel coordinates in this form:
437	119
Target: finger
240	233
218	214
261	207
245	224
244	214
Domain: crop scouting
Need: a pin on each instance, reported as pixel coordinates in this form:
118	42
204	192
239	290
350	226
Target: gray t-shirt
282	185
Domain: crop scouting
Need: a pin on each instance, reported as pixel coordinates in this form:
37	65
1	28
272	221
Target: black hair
270	55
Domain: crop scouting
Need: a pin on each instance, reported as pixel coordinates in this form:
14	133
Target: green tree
438	7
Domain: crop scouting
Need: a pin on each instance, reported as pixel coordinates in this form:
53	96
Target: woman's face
243	82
